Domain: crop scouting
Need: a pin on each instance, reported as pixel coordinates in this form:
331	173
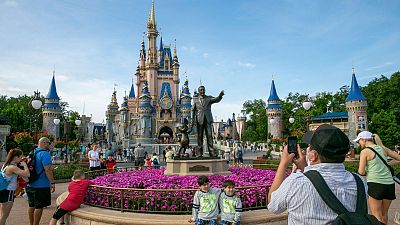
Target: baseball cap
364	135
328	140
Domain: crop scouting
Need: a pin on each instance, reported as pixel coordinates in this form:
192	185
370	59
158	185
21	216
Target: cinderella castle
150	114
350	122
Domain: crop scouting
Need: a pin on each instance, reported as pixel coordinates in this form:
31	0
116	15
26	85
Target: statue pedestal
197	167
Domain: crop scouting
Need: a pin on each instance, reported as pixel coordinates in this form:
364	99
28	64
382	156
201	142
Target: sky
238	46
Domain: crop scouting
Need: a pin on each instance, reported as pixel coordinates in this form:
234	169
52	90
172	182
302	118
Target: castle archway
165	135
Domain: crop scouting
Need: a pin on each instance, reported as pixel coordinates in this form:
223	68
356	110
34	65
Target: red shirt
77	191
110	164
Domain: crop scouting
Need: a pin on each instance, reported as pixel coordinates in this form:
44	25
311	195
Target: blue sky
236	46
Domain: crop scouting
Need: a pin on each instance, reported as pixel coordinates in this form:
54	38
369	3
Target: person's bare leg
5	212
53	221
376	208
37	216
385	209
30	214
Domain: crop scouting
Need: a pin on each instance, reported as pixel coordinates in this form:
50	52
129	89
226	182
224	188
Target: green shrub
67	171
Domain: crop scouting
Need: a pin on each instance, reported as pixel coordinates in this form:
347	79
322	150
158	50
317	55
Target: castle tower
186	101
51	109
112	111
145	113
356	106
274	112
152	59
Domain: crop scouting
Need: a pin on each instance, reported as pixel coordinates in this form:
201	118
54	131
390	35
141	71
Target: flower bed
150	191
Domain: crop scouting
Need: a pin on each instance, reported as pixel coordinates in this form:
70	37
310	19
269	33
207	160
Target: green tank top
377	171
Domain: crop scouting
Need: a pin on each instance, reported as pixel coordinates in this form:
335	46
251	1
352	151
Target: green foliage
257	123
67	171
383	95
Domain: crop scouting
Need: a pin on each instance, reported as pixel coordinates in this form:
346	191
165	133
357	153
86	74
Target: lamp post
307	104
241	120
36	104
56	121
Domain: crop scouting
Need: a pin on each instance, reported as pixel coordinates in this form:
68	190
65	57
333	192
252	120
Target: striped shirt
298	196
205	204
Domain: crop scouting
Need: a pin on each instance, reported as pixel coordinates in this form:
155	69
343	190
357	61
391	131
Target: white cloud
379	66
224	110
10	3
247	65
191	49
205	55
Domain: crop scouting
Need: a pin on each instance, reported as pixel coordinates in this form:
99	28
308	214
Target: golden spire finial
152	18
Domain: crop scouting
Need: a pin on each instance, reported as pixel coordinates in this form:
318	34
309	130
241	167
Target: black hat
328	140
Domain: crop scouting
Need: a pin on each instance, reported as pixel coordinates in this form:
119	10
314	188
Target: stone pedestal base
196	167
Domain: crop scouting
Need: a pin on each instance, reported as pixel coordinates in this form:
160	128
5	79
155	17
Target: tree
257	123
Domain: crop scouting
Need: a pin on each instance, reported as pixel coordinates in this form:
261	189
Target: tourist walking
39	191
297	195
77	190
10	172
373	160
169	154
139	155
238	154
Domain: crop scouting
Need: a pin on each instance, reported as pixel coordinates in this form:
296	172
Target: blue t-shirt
43	159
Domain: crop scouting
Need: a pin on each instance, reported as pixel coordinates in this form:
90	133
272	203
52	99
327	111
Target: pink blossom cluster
150	190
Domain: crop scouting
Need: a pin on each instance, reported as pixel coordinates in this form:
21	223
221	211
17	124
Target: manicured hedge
66	171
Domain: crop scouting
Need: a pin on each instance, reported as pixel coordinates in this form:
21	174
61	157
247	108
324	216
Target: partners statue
202	117
184	137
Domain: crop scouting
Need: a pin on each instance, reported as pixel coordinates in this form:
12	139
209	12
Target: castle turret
145	112
160	50
356	106
152	34
51	109
186	101
142	56
274	112
175	67
112	111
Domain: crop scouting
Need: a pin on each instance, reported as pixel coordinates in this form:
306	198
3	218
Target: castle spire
355	92
152	18
161	45
53	90
273	96
132	92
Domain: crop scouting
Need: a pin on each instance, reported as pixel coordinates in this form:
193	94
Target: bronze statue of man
202	117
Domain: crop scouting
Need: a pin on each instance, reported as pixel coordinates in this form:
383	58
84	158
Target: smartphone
292	145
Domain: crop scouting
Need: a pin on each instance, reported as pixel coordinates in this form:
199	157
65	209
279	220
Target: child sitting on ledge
77	190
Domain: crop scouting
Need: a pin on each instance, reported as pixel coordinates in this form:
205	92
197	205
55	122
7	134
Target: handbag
396	177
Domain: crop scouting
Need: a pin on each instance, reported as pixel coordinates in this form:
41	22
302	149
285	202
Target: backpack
34	175
359	217
155	161
3	182
240	153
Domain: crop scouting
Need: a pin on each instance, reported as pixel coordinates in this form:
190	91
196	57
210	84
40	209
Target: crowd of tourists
318	191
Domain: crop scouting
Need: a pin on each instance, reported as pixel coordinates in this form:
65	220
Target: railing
165	201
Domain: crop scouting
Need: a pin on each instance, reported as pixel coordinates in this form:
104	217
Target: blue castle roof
132	92
166	50
355	92
331	115
165	87
161	45
53	90
273	96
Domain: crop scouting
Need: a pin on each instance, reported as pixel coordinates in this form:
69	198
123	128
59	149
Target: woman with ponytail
381	187
10	171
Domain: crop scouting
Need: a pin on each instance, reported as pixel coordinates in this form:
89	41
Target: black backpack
359	217
34	175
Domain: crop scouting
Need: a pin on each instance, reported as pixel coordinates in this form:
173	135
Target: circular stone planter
88	215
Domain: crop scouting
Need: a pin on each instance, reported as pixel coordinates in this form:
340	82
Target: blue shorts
224	222
204	222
